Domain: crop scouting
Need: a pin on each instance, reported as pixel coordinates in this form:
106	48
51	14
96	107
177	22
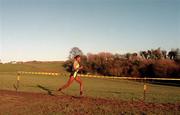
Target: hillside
54	66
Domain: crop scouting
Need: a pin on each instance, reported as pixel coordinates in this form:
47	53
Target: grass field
34	66
94	87
108	95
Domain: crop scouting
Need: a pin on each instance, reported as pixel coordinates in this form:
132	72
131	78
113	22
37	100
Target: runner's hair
77	56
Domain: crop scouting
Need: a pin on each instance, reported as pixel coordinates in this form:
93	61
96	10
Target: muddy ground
25	103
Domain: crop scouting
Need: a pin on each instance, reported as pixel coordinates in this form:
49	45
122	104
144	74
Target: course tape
39	73
95	76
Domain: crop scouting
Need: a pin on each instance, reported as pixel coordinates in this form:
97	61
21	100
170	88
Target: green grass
94	87
33	66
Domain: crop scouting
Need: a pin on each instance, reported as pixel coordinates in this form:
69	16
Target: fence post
17	81
145	89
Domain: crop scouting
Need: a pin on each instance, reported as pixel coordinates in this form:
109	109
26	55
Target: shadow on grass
46	89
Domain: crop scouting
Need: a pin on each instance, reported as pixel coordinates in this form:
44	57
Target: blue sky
48	29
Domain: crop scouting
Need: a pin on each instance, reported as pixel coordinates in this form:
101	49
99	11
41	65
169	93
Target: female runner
75	69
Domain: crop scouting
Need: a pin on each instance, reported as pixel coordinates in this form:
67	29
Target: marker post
145	89
17	81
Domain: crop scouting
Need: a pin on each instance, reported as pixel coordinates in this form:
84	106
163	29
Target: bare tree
172	55
144	54
74	52
164	53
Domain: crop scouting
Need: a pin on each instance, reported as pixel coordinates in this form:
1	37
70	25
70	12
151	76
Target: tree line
150	63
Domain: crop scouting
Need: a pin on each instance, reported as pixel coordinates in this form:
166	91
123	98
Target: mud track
14	103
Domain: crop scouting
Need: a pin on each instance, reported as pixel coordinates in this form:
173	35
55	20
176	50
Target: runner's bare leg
69	82
78	79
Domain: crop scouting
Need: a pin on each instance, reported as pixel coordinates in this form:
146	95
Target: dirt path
37	103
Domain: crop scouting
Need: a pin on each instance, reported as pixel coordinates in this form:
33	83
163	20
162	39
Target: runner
75	69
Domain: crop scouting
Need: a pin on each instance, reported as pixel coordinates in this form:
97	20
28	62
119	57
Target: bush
117	65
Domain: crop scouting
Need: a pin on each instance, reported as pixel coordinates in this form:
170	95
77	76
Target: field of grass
94	87
34	66
101	96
